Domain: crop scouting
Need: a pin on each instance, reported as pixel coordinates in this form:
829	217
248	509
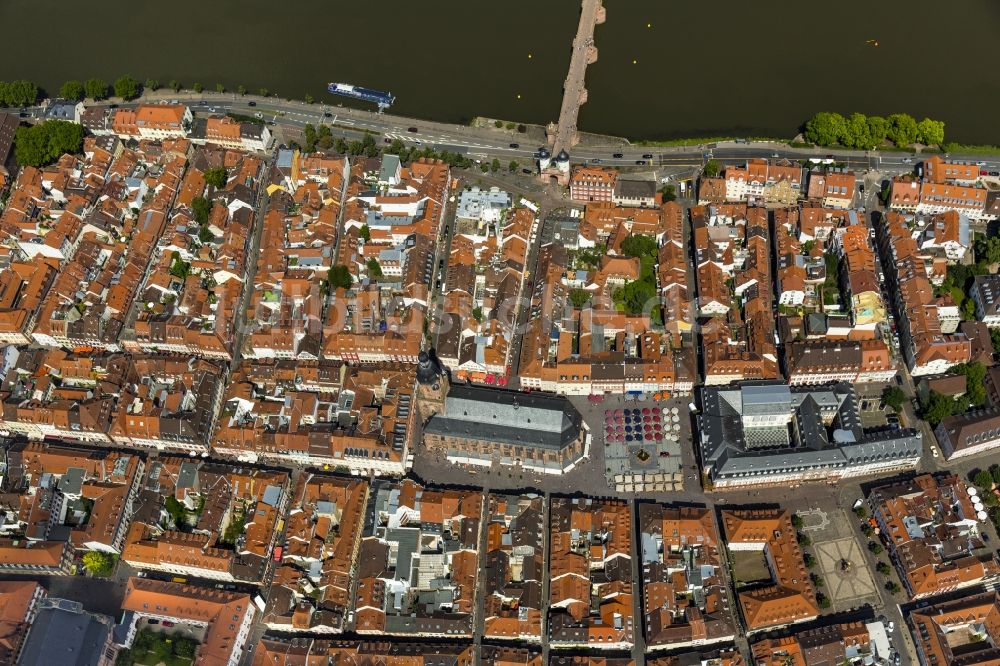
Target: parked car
995	173
984	172
618	156
640	162
596	160
412	129
168	623
152	621
515	145
251	103
527	171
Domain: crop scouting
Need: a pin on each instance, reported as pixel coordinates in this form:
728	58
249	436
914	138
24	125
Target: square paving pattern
845	588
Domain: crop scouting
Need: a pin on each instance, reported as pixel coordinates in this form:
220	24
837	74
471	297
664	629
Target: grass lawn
151	648
749	566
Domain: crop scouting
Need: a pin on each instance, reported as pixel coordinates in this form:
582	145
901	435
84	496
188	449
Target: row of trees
18	93
865	132
125	87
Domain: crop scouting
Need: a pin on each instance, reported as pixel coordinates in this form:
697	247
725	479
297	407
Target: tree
825	128
205	235
817	580
988	250
856	133
968	310
202	208
875	547
804	539
711	169
175	85
823	602
902	129
930	132
878	128
995	471
669	192
72	90
309	99
894	397
893	587
151	84
216	177
861	512
197	87
638	246
579	298
127	88
797	521
46	142
498	124
975	379
983	479
263	92
366	233
339	277
374	270
809	560
936	408
867	530
98	564
96	89
309	138
477	314
180	268
242	90
512	167
18	93
495	165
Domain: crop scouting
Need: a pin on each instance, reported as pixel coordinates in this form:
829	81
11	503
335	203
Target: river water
666	69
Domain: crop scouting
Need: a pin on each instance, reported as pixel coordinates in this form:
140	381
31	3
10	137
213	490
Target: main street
508	144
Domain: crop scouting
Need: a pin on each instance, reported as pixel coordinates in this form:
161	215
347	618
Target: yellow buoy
649	25
529	56
519	97
635	62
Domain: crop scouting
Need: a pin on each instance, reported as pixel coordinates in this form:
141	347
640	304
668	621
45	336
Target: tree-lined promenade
861	132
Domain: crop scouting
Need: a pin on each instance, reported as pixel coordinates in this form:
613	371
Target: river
665	69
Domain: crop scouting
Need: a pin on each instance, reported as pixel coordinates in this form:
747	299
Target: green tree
46	142
809	560
72	90
197	87
339	277
18	93
495	165
151	84
127	88
374	270
817	580
995	471
825	128
219	88
97	89
498	124
477	314
875	547
263	92
861	512
180	268
856	133
579	298
202	208
205	235
242	90
867	530
883	568
639	246
878	128
936	408
712	169
669	192
988	250
893	587
983	479
823	602
804	539
365	232
174	85
309	138
216	177
797	522
894	397
975	379
968	310
512	167
902	129
98	564
309	99
930	132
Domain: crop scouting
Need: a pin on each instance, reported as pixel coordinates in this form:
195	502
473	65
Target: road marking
823	519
